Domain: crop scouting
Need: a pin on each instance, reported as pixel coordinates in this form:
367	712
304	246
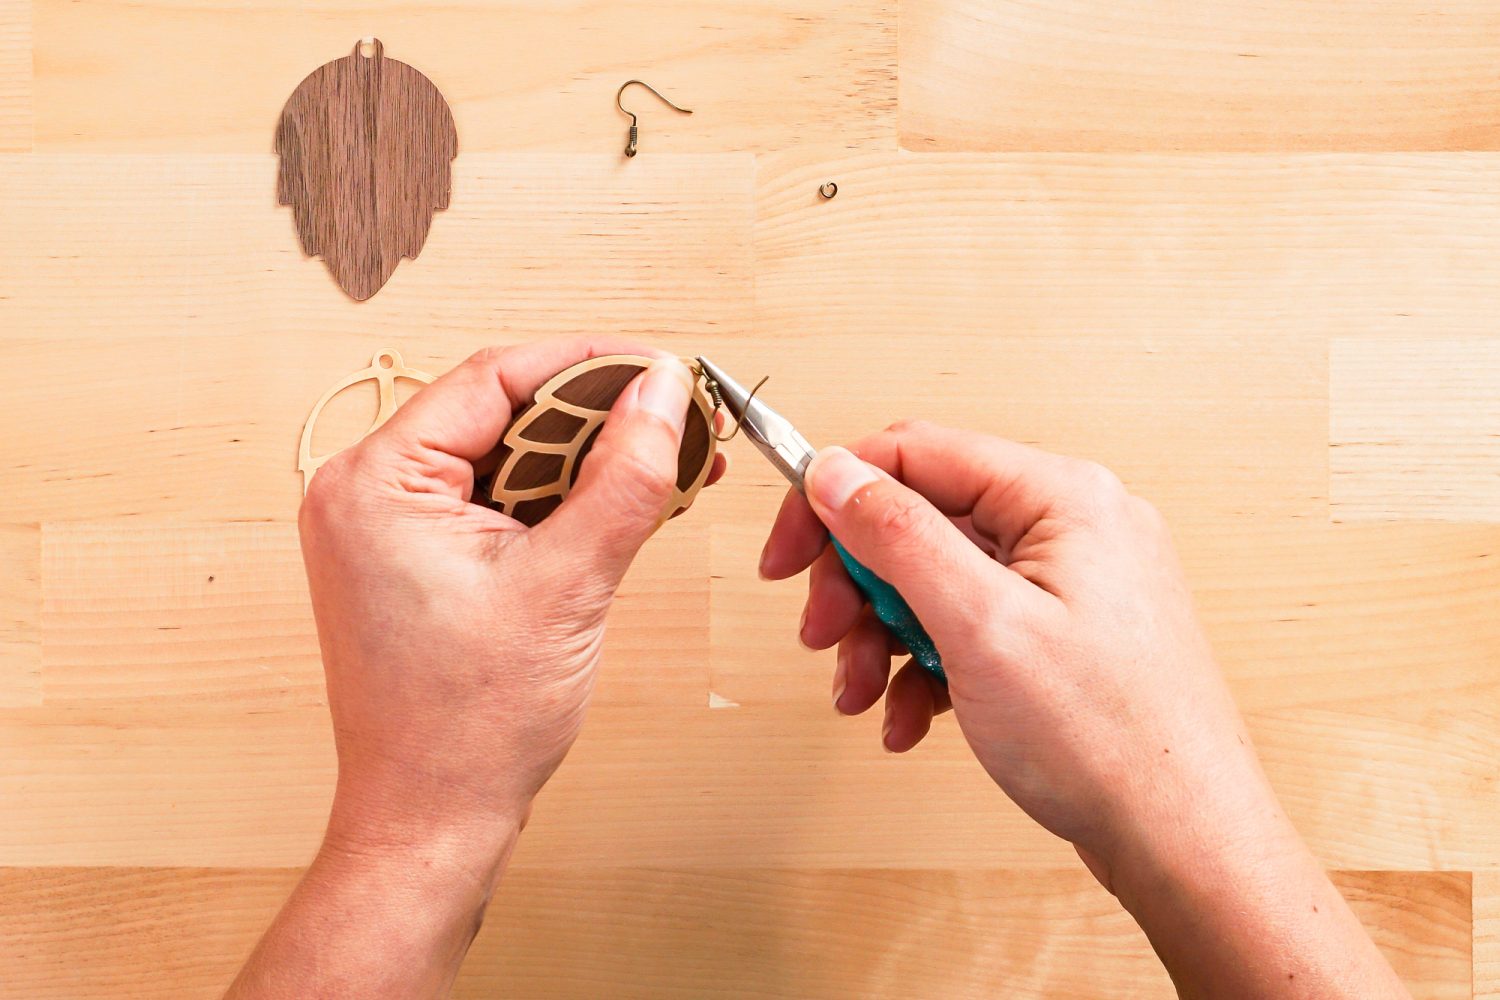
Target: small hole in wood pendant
367	48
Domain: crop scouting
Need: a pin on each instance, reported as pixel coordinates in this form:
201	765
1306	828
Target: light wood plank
1434	962
1307	614
72	934
1363	657
20	613
1414	429
1278	76
1487	934
1301	614
163	304
1168	316
217	614
178	786
15	76
83	933
1374	784
519	76
1186	247
211	613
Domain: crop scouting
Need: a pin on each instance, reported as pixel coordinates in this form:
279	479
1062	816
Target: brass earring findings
634	134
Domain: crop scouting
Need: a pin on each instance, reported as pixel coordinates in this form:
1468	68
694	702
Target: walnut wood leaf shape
544	447
385	368
366	146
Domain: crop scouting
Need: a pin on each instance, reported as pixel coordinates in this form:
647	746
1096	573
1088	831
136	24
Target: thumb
949	583
628	475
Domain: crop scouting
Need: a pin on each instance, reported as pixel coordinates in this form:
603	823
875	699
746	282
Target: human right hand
1076	666
1078	674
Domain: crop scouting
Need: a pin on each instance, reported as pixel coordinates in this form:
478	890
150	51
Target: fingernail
665	389
760	567
885	733
835	475
840	679
802	627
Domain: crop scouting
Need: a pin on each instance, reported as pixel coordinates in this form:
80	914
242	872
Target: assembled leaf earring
545	446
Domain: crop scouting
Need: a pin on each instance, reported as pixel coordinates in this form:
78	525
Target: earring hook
717	395
634	131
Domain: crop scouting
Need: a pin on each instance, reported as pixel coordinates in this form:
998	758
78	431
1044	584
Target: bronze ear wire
630	149
717	396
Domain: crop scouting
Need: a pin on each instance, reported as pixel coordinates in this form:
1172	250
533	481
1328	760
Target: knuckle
899	518
1100	481
411	460
1098	495
643	479
328	492
1146	511
486	357
908	425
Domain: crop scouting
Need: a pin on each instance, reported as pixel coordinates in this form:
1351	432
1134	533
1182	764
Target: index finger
1003	487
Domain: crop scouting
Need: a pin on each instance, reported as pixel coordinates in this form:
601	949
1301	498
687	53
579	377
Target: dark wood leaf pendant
544	447
366	146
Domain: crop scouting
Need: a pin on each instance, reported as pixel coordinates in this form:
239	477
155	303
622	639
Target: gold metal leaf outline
385	380
505	500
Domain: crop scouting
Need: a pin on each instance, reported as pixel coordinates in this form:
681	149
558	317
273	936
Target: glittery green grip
891	608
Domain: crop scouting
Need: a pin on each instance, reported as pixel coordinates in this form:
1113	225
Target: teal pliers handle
891	608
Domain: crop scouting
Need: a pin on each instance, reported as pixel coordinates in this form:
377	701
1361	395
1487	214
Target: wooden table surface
1247	254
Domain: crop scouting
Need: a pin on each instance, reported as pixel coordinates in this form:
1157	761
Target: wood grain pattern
366	144
20	615
147	286
543	451
1414	429
155	933
650	933
180	785
658	774
1168	315
216	615
192	614
1096	75
520	75
1487	935
16	84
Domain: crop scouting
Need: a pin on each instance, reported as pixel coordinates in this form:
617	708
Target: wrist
453	848
1203	808
1194	868
1250	916
1224	876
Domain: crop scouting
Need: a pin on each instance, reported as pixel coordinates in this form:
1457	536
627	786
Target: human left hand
460	646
